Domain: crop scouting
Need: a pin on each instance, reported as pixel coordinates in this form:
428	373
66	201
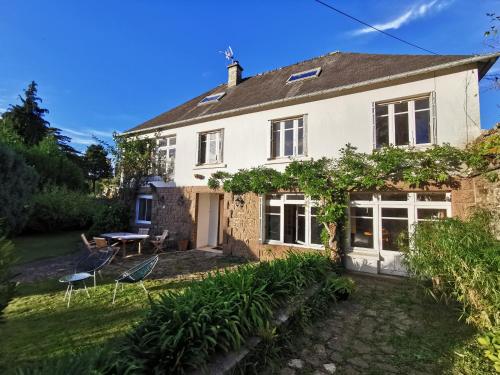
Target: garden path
388	326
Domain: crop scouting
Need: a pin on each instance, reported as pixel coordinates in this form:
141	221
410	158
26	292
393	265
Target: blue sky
109	65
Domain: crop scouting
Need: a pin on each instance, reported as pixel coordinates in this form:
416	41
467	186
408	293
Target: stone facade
176	209
478	192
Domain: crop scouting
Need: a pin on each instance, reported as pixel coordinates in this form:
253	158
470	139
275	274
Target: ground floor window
383	221
143	209
291	219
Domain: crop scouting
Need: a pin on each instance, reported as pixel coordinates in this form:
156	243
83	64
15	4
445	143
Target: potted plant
183	245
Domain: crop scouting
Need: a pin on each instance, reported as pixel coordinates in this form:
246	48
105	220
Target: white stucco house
310	110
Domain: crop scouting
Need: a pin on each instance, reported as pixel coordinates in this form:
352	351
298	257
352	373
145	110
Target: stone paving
177	264
364	335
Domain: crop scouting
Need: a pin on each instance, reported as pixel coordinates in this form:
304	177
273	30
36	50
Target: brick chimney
234	74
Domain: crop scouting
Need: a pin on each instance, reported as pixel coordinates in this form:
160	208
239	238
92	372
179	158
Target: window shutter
374	127
433	118
198	149
261	219
269	139
304	140
221	147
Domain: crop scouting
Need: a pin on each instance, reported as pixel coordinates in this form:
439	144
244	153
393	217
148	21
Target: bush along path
184	330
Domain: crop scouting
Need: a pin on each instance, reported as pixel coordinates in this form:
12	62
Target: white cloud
82	141
87	133
418	10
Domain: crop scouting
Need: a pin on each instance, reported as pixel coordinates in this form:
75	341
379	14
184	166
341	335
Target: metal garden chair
95	262
136	274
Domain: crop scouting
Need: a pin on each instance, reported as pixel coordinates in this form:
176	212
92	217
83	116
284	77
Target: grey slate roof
338	69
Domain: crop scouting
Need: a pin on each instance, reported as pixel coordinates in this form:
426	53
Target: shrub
18	184
463	260
57	208
6	285
110	216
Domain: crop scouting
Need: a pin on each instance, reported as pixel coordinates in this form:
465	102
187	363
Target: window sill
365	252
312	246
210	166
287	160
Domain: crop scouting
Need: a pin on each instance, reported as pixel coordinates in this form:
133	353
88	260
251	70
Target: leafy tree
97	163
53	166
18	184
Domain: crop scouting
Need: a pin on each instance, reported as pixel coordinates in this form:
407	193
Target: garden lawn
41	246
38	324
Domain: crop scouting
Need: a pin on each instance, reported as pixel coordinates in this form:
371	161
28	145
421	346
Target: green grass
38	324
41	246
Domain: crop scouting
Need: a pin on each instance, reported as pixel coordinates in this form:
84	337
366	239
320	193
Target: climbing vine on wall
329	181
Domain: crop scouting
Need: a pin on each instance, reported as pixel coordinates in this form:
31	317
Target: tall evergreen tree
27	120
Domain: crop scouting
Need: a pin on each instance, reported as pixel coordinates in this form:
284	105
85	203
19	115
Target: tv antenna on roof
229	54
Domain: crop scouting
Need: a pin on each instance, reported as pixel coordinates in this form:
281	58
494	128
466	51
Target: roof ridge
299	62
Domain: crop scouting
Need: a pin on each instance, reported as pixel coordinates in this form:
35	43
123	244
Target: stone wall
477	192
175	209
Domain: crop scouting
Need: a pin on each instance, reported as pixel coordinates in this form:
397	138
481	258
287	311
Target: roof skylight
312	73
212	98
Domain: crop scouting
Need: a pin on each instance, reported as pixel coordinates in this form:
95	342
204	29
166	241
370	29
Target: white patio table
124	238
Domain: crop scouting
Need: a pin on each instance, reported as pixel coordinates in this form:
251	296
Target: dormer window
212	98
313	73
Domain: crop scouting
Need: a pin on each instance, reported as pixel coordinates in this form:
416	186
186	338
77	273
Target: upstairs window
312	73
287	138
166	156
210	147
212	98
143	209
403	123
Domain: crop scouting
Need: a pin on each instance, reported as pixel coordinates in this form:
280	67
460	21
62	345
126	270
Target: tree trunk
332	241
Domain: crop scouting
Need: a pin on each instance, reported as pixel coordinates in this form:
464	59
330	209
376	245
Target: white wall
331	124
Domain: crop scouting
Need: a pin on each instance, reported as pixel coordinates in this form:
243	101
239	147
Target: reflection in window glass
394	229
401	129
275	141
316	227
288	137
432	197
431	213
382	125
273	223
422	127
361	196
395	212
362	227
394	196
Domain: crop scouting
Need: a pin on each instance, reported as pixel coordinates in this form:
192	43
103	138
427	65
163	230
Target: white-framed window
291	219
143	209
405	122
287	138
376	220
166	156
210	146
